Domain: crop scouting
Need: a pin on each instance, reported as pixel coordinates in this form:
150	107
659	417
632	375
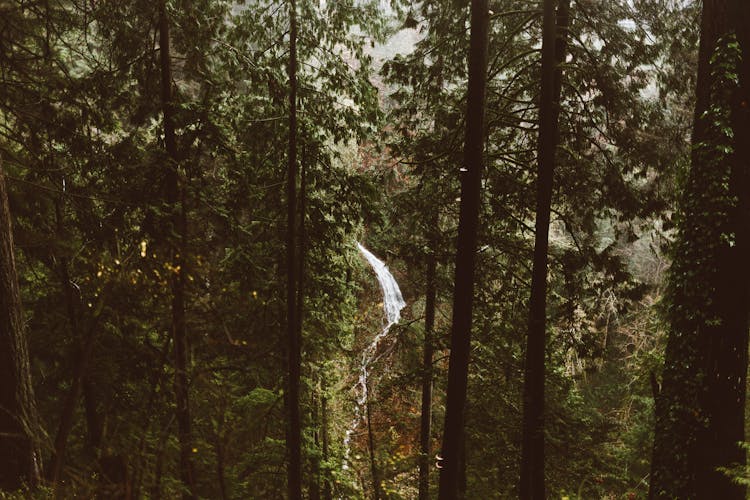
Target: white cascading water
393	302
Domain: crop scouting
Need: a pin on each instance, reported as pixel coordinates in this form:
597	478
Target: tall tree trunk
19	446
728	366
700	408
159	465
463	293
314	481
157	376
425	427
314	460
68	408
95	416
327	492
553	55
65	425
294	423
86	348
175	197
731	363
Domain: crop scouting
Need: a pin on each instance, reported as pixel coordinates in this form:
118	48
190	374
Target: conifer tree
463	292
175	198
20	460
554	36
700	405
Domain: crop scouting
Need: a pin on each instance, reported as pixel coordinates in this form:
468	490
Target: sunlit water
393	302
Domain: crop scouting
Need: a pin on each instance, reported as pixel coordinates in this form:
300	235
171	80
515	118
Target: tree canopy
558	190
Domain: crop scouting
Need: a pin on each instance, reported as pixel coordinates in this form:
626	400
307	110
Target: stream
393	302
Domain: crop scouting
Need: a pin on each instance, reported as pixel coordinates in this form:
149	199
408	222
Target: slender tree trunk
19	446
314	482
302	254
294	423
86	348
68	408
157	376
175	197
95	416
553	55
71	400
159	465
426	415
327	493
463	293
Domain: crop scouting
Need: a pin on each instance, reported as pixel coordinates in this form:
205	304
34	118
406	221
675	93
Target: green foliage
82	141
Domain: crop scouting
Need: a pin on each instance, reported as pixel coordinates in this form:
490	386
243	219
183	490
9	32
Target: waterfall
393	302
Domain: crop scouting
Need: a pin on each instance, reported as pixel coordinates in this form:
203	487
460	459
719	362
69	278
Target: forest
374	249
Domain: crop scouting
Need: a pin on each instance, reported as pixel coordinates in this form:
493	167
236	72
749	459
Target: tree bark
71	399
554	42
95	416
327	492
468	223
156	380
425	427
87	341
700	408
294	423
314	480
68	408
728	366
19	445
175	198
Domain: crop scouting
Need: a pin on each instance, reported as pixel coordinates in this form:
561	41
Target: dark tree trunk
425	428
314	479
159	465
314	482
19	447
95	416
554	42
738	353
71	400
175	197
294	423
463	293
157	376
728	366
86	348
327	493
700	408
68	408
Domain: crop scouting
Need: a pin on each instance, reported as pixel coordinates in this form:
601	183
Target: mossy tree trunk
19	447
700	406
